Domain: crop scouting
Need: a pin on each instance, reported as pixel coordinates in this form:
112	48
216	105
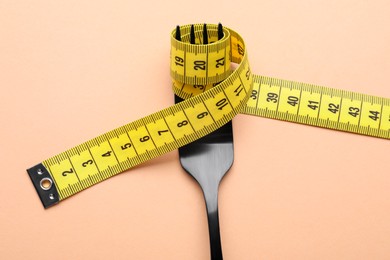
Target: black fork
207	160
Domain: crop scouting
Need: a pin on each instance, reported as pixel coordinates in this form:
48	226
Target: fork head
209	158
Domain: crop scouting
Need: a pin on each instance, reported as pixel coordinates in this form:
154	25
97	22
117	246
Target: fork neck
210	193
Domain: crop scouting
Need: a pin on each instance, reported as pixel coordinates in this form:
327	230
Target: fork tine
178	35
205	36
192	35
220	31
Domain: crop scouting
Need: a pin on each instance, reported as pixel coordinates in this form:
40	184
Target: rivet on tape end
44	185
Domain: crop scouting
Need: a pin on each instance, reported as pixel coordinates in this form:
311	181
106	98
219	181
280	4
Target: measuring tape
196	70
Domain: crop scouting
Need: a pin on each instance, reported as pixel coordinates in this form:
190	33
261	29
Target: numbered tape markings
319	106
196	71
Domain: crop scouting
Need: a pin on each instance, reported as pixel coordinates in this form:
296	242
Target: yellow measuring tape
196	70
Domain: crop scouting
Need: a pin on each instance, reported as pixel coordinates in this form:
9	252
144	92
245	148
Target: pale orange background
70	70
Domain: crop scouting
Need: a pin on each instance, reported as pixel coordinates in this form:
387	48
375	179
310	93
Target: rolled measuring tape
196	70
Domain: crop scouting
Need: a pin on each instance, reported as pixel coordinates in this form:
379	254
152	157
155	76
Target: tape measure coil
196	71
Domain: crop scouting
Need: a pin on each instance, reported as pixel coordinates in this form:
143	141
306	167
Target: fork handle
211	199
